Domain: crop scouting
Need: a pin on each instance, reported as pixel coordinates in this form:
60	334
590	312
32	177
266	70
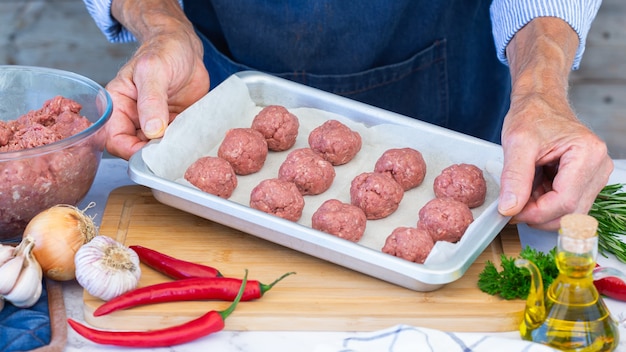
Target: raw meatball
445	219
311	173
410	243
335	141
278	197
278	126
405	165
213	175
377	194
463	182
340	219
245	149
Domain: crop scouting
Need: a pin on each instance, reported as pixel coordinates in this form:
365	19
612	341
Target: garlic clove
30	298
10	271
28	287
6	252
105	268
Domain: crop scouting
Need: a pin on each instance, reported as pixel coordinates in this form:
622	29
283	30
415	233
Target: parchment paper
199	130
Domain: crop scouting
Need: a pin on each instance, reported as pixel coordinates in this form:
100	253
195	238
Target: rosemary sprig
609	208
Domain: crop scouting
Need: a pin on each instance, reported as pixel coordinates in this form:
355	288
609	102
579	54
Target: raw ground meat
463	182
278	197
340	219
213	175
5	132
445	219
405	165
278	126
335	141
30	185
311	173
410	243
377	194
58	119
245	149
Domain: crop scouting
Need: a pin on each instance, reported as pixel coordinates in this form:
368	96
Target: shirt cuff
509	16
100	11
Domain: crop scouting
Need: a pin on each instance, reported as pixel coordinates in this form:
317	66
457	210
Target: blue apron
430	60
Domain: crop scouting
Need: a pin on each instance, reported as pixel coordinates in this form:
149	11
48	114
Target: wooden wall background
598	88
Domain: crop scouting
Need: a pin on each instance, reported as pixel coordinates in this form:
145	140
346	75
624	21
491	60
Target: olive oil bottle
571	316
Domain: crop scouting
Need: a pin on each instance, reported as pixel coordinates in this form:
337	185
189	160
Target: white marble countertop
113	173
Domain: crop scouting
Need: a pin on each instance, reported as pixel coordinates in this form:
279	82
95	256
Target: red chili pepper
611	287
173	267
206	324
222	288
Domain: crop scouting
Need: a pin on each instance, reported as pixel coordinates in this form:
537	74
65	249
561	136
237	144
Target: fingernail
508	201
153	128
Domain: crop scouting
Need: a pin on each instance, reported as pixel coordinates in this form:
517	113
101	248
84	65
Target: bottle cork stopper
580	226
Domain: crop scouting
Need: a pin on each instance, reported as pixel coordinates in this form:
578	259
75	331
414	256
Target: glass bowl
34	179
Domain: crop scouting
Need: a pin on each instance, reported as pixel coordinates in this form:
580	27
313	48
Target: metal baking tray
455	147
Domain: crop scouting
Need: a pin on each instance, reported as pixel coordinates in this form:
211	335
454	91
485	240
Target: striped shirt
507	16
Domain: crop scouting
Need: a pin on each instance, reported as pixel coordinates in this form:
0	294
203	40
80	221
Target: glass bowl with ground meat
51	141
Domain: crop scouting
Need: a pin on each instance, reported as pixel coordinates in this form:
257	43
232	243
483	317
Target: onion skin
58	233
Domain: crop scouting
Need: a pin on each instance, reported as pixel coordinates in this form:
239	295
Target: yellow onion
58	233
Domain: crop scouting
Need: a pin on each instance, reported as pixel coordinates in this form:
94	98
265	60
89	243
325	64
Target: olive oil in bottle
572	315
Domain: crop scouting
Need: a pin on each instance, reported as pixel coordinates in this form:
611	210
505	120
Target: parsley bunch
609	208
513	282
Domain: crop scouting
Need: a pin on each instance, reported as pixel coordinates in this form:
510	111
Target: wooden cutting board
321	296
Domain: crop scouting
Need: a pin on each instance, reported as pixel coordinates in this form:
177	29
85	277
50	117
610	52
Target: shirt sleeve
509	16
100	11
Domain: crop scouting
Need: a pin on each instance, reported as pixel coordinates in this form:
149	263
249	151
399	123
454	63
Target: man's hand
165	75
553	164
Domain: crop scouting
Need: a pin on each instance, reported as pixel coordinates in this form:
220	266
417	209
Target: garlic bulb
106	268
28	286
